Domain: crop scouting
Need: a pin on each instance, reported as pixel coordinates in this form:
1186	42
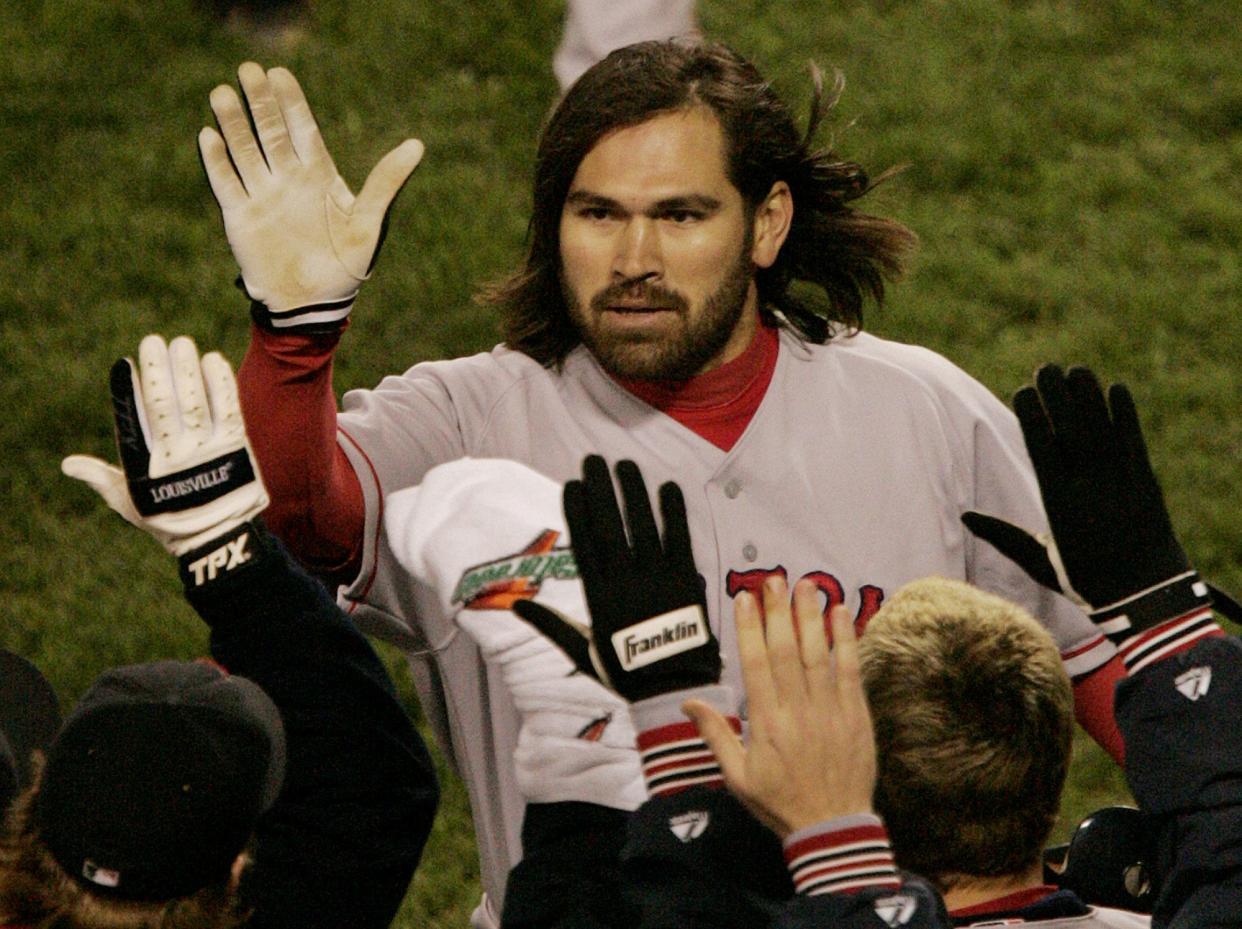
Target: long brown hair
845	254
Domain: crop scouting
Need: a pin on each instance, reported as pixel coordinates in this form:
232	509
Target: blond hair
973	715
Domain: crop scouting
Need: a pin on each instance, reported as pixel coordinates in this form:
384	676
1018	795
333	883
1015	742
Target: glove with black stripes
187	474
649	633
303	241
1113	550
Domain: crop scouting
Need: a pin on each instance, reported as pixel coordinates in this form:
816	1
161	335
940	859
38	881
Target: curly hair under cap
845	255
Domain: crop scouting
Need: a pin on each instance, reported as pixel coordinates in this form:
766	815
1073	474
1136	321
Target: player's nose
638	251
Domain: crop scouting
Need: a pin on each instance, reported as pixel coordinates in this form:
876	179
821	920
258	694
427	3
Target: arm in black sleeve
568	877
1179	718
699	859
341	842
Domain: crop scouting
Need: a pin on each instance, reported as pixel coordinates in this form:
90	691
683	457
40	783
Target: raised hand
187	474
811	751
1113	548
649	633
303	241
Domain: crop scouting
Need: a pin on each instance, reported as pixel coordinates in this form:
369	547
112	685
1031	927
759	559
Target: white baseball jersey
854	471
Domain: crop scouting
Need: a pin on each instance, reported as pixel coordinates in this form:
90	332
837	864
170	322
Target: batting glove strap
674	755
191	487
1176	597
320	319
841	856
220	563
1168	638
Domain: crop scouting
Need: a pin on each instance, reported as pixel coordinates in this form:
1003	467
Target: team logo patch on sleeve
896	910
1194	683
689	826
500	583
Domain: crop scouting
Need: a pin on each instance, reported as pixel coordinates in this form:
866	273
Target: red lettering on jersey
752	581
869	596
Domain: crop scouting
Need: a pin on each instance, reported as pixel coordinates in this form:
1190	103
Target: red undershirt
718	405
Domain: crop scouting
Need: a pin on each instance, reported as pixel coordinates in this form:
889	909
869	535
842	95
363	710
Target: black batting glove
649	633
1113	549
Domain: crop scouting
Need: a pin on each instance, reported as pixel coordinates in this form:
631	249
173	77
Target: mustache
652	295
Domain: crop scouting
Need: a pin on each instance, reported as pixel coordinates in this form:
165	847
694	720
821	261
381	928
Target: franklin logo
199	482
896	910
1194	683
689	826
660	637
497	585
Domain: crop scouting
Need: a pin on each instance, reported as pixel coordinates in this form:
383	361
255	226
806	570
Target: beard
657	354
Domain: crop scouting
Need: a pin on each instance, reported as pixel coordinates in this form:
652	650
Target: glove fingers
269	122
1040	442
303	130
677	549
582	538
1088	398
225	185
159	400
235	127
196	425
644	535
1016	544
367	212
1067	400
106	480
1136	461
568	639
226	417
602	523
132	432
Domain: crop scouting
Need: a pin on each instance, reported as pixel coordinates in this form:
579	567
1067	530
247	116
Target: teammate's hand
649	633
811	752
303	241
1113	549
189	476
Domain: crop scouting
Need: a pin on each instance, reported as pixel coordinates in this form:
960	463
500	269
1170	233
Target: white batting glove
189	476
304	242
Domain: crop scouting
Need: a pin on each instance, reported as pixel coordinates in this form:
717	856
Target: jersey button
732	489
749	552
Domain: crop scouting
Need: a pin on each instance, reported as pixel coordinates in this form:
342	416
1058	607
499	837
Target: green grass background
1074	176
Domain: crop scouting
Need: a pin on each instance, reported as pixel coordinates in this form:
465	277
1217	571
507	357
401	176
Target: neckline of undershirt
719	405
718	388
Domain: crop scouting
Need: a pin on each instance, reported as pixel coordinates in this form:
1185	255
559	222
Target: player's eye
682	217
595	213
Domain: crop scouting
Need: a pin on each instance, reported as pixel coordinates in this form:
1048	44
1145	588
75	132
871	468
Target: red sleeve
317	509
1093	706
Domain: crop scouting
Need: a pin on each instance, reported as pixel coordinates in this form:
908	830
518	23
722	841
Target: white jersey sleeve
1002	483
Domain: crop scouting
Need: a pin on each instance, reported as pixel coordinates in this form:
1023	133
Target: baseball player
675	203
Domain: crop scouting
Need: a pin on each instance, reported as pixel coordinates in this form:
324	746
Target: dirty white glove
304	242
188	475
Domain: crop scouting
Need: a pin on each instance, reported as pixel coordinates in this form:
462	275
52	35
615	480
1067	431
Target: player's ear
773	217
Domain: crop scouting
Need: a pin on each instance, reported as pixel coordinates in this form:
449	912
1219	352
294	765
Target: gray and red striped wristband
841	856
674	755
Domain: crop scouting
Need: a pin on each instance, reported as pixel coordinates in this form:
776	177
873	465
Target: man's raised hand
811	750
303	241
